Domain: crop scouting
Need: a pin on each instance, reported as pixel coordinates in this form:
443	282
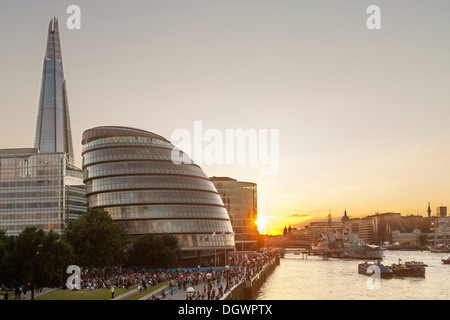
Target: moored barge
372	268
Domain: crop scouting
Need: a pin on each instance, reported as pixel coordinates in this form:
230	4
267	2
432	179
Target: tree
156	251
6	248
97	240
35	258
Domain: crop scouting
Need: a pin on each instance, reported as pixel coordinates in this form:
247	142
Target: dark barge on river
407	269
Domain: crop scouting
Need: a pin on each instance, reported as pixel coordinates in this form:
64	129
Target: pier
278	243
303	252
325	253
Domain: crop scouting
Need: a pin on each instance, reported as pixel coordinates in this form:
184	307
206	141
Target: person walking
112	292
220	289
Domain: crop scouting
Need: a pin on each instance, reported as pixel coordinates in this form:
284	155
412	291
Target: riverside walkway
218	290
180	293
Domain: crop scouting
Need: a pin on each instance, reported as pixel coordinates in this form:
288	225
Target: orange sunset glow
362	116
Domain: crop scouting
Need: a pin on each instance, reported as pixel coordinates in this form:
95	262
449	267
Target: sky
362	115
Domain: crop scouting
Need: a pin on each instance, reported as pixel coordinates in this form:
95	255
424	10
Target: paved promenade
238	276
201	291
218	289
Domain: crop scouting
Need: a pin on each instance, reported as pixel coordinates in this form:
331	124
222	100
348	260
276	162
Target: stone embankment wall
248	289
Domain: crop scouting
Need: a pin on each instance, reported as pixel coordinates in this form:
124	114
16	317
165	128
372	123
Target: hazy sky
363	114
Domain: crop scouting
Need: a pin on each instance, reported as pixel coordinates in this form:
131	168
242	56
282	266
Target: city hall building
130	174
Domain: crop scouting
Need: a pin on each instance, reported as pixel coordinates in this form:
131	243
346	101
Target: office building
39	190
441	211
240	200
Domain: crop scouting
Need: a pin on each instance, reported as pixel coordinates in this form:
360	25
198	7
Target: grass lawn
83	294
11	294
100	294
146	292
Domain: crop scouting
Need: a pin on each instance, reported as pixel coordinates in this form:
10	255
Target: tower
344	221
53	133
41	186
345	218
429	210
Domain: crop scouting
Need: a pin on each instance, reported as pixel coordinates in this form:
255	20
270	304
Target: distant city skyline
362	114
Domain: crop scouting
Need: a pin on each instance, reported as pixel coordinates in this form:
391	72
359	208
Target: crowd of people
220	280
179	279
120	277
214	282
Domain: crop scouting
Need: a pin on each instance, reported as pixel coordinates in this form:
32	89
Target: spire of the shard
53	132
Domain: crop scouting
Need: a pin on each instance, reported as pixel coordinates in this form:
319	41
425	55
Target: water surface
337	279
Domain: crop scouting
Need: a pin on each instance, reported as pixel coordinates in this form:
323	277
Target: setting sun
261	223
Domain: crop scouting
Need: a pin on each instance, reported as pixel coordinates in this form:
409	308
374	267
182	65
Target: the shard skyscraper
41	186
53	132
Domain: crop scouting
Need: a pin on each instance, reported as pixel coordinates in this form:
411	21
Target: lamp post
253	266
189	293
227	269
208	276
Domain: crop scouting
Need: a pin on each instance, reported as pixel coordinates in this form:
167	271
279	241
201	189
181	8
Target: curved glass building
130	173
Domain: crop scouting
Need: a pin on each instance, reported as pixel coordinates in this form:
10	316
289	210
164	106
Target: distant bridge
303	248
288	243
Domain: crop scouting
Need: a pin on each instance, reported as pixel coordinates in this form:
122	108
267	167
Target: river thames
338	279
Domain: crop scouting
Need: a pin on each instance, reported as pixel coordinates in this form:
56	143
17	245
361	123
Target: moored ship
401	270
341	243
408	269
365	251
375	268
356	248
